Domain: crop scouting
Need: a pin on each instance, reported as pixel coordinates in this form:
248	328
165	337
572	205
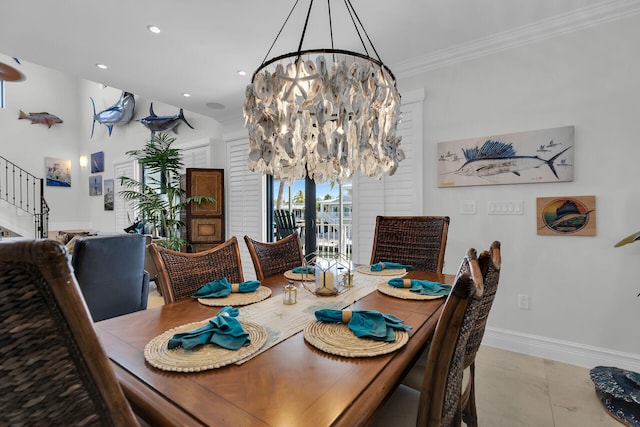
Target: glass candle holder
289	293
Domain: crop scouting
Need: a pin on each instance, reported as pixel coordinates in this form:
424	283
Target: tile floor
155	299
516	390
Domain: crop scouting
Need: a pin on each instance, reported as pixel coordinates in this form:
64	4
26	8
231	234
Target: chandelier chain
304	30
352	11
330	25
279	32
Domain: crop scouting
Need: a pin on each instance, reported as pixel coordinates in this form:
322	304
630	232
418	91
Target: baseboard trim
561	351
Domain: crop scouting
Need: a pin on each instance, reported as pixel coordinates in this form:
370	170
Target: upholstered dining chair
111	274
180	274
54	371
436	403
270	259
419	241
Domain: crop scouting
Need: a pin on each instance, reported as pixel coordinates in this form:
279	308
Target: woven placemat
403	293
238	298
203	357
299	276
337	338
366	269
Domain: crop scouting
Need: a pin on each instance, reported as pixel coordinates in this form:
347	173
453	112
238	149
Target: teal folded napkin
221	288
223	330
389	265
365	323
304	270
422	287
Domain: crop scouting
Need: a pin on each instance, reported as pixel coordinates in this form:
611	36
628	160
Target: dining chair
273	258
488	263
285	223
54	370
419	241
180	274
436	403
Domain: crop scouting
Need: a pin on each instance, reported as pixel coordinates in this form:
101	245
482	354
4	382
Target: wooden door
205	221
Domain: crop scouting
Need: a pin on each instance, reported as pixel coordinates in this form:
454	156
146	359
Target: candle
328	280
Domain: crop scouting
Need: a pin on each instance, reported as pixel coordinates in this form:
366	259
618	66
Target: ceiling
203	43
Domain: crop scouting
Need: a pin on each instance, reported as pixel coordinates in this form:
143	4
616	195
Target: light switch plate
505	207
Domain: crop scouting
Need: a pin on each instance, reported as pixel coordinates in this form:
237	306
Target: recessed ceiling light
215	105
153	29
242	73
186	95
101	66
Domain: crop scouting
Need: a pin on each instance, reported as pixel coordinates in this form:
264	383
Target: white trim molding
600	13
560	351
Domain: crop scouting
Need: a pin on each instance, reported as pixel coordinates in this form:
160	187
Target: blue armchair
110	272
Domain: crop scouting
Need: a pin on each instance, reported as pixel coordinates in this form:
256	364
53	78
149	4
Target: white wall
68	98
582	290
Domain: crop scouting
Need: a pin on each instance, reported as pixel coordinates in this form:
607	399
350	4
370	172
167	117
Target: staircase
23	209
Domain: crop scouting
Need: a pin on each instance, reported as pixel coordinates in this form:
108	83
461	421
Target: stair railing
25	191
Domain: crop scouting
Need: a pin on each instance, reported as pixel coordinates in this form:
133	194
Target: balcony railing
333	239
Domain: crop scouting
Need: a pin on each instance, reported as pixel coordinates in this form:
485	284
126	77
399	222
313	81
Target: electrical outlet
523	301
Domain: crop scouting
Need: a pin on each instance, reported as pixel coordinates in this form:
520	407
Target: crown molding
576	20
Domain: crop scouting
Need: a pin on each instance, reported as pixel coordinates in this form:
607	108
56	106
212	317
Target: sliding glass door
321	214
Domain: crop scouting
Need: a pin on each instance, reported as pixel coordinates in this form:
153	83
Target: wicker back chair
489	264
54	371
270	259
419	241
181	274
436	403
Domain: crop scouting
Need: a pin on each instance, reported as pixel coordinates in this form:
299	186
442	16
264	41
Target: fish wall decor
157	123
518	158
573	215
119	114
43	118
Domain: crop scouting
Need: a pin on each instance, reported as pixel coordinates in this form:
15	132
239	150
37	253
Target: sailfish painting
518	158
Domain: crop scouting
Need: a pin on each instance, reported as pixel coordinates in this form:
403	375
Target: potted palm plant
159	196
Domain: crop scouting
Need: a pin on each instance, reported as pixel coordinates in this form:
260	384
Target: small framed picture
95	185
58	172
108	194
97	162
566	216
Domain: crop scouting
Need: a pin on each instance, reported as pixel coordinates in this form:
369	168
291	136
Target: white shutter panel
400	194
121	207
245	202
196	157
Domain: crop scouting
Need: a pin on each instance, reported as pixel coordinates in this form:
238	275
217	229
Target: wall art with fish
517	158
573	215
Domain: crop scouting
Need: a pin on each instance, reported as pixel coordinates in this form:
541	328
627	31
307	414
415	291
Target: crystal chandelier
323	117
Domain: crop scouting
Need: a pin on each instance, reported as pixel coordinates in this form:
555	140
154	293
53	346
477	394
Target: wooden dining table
290	384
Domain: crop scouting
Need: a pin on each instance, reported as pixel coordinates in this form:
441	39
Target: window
331	229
